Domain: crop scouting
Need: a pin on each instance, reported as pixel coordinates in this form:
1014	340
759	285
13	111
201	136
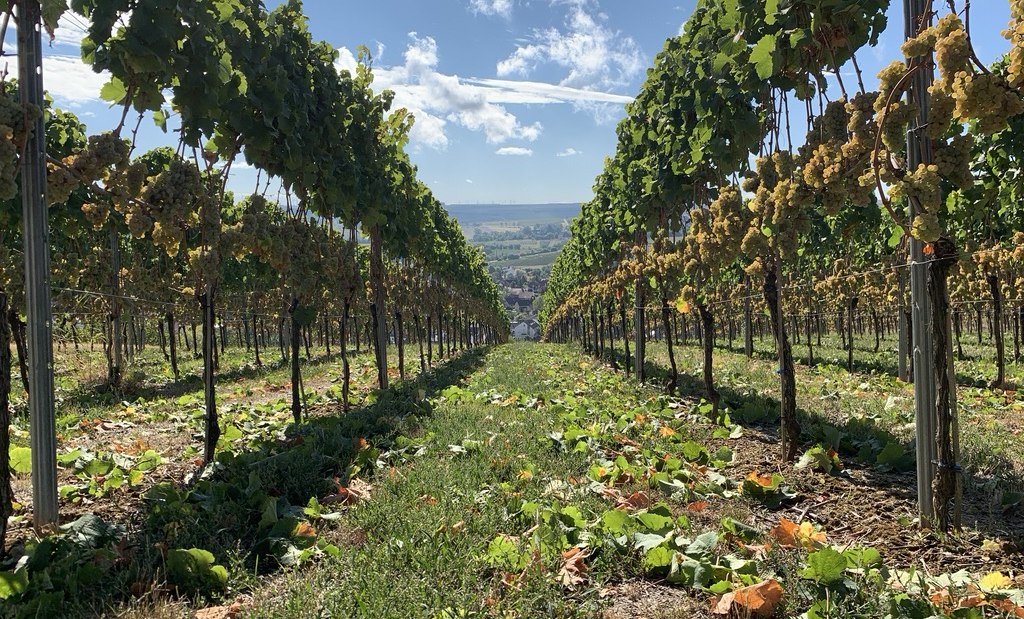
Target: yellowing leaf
995	580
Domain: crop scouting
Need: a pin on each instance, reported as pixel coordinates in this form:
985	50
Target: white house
528	329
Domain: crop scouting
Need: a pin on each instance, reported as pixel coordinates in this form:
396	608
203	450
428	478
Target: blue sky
516	100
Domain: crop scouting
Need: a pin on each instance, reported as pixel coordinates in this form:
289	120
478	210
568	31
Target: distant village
523	291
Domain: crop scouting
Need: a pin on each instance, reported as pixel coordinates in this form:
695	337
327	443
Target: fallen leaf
219	612
792	535
970	601
574	568
757	600
697	506
1008	607
995	580
635	501
761	479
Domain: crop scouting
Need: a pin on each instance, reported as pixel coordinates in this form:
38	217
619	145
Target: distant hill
469	215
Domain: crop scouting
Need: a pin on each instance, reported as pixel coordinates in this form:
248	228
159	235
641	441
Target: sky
516	101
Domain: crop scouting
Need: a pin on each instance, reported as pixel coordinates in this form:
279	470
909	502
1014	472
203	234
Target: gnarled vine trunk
708	322
380	328
172	344
296	345
945	486
209	391
625	333
997	323
666	325
787	371
641	331
346	370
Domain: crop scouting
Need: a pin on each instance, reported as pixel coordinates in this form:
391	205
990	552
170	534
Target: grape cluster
1015	34
984	97
8	163
171	197
835	159
96	214
16	123
102	153
953	160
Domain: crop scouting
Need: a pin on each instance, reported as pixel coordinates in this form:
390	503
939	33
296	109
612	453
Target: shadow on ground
885	464
248	509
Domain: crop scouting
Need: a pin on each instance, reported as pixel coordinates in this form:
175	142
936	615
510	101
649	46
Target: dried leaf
792	535
219	612
757	600
765	479
574	568
305	530
635	501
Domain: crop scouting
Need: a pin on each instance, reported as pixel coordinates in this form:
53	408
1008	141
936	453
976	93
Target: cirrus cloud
514	151
439	101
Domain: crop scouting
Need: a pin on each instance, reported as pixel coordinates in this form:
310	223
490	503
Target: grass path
520	482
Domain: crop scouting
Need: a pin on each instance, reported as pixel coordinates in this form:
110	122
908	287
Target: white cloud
569	152
71	29
69	81
501	8
346	60
527	92
438	100
514	151
468	181
594	55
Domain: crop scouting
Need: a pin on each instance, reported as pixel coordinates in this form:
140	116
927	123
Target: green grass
539	260
990	427
484	472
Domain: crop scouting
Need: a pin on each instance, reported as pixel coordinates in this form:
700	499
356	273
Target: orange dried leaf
219	612
637	500
666	431
968	602
785	532
1008	607
574	568
758	600
697	506
760	479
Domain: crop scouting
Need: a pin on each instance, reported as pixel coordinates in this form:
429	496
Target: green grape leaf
113	91
763	56
21	460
